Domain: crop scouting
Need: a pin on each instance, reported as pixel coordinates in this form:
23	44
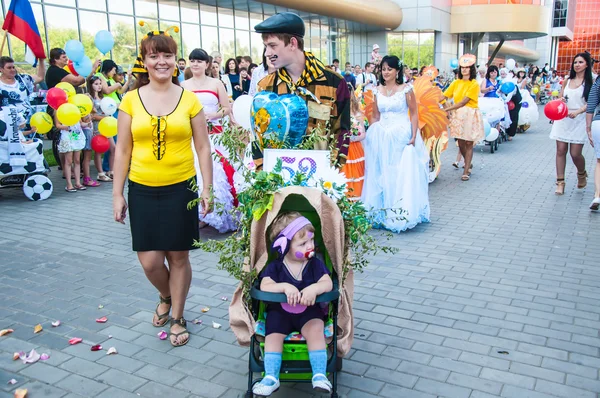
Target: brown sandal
181	322
162	318
560	186
582	179
465	177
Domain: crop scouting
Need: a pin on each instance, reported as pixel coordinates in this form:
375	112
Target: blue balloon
84	67
525	104
104	41
507	87
279	121
261	99
298	112
74	50
486	127
454	63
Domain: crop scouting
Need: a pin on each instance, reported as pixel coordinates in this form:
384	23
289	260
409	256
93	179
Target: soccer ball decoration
37	187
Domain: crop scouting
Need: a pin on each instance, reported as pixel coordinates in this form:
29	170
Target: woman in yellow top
466	122
157	122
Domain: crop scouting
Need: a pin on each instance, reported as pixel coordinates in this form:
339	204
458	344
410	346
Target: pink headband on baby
281	243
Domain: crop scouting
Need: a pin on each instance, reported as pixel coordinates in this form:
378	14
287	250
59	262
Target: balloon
56	97
511	105
535	90
486	127
525	104
278	120
507	87
242	111
556	110
260	99
510	64
104	41
74	50
84	66
100	144
454	63
555	93
108	126
493	135
298	115
83	103
108	106
68	114
71	68
67	88
42	122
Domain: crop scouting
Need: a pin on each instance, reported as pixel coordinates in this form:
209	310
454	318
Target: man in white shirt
367	78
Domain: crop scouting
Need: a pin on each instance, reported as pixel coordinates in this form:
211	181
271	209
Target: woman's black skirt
160	218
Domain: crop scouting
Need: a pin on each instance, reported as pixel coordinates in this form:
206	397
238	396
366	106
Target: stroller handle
267	297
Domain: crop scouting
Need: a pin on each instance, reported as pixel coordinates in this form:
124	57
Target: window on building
559	19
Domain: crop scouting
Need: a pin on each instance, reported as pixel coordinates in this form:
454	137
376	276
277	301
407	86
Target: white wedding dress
396	188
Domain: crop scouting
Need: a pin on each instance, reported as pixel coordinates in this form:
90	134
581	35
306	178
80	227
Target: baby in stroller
301	276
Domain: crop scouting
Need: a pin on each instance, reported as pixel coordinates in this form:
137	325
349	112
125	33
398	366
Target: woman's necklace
389	91
297	276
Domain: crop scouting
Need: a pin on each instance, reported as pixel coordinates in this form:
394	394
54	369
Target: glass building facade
214	25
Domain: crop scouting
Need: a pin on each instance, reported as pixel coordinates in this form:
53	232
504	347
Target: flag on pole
20	22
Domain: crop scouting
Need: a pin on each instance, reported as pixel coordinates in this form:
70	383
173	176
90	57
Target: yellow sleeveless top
162	146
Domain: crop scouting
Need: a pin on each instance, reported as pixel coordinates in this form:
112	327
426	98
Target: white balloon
242	111
510	64
108	106
493	135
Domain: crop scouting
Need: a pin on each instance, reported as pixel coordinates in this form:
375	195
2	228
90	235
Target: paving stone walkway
497	296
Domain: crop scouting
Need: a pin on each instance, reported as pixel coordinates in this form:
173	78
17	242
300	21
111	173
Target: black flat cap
285	22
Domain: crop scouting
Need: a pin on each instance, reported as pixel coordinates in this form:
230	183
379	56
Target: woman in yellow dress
466	122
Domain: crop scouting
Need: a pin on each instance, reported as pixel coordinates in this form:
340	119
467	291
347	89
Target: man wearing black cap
300	72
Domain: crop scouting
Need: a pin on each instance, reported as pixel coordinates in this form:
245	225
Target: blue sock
272	366
318	361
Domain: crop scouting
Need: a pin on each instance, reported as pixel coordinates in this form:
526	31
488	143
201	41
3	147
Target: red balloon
556	110
56	97
511	105
100	144
72	68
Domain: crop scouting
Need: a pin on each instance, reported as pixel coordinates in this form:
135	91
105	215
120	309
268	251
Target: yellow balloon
67	88
555	93
536	90
83	102
42	122
68	114
108	126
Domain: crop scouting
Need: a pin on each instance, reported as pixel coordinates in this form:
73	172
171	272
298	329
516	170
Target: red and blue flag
20	22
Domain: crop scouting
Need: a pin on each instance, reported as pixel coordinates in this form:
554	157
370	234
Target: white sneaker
322	384
264	390
595	205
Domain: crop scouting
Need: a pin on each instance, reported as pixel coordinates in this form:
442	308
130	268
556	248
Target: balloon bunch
81	64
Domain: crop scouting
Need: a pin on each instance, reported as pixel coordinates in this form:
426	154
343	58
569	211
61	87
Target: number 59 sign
308	162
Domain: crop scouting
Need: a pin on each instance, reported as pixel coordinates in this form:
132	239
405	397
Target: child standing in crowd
72	141
88	132
301	277
94	87
354	169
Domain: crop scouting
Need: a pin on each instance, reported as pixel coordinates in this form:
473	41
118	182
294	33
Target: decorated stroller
248	323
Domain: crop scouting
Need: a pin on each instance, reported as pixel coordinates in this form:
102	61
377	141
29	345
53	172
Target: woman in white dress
213	96
396	161
571	131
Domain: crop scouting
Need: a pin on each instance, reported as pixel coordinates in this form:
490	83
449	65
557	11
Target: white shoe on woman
595	204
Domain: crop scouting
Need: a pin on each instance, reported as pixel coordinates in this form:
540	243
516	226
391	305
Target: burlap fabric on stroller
332	228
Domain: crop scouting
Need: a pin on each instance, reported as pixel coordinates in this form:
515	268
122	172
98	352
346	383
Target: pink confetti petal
44	357
102	320
55	324
12	381
162	335
75	340
32	357
224	298
96	347
197	321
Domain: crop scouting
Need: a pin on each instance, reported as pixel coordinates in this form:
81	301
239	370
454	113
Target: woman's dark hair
588	80
107	66
199	54
156	44
472	72
237	67
55	54
264	62
6	60
89	83
393	62
490	70
519	74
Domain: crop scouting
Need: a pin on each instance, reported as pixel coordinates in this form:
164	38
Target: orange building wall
586	35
